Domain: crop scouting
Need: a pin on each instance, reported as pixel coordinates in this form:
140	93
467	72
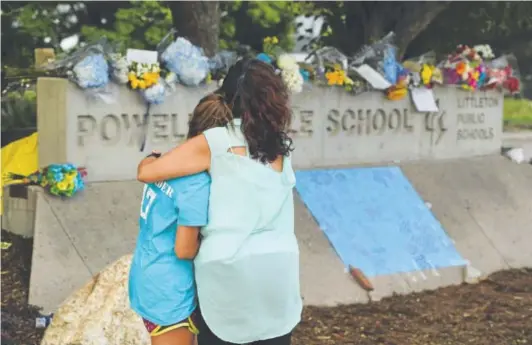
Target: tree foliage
141	25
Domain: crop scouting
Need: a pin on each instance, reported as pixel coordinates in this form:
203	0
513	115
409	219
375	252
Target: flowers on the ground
58	179
91	72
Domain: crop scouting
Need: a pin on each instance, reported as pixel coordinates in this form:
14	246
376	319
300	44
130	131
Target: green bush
19	109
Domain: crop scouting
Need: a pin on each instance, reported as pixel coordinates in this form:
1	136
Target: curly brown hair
211	111
258	96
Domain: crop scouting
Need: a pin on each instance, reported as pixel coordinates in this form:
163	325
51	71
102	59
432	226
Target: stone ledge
19	209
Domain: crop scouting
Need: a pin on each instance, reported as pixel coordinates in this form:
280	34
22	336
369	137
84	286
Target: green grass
517	114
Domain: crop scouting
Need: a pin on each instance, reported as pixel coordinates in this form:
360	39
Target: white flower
293	80
287	62
485	51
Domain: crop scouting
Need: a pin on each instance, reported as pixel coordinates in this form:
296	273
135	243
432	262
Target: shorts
156	330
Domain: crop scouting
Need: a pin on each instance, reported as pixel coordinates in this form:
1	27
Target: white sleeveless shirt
247	267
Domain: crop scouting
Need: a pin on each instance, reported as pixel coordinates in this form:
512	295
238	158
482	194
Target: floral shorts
156	330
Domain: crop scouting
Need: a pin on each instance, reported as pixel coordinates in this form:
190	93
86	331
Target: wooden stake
361	278
43	56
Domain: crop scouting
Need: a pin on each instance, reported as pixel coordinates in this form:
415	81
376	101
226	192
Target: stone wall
330	127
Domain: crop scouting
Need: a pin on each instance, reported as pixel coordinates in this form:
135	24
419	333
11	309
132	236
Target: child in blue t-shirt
161	280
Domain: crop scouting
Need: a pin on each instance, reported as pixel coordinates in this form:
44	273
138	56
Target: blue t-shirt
161	286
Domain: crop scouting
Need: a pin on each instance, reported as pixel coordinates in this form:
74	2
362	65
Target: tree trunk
414	19
371	20
199	22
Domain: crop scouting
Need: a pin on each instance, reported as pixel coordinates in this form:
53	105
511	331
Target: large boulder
99	313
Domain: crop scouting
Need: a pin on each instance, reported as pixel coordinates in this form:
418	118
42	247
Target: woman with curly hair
247	267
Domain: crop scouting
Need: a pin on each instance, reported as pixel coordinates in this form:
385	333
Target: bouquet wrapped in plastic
219	64
327	57
422	71
57	179
503	73
382	57
88	67
185	60
465	67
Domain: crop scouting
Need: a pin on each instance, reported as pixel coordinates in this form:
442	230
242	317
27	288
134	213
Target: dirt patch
18	319
496	311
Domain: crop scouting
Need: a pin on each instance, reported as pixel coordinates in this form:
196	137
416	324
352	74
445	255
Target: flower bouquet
325	57
465	67
186	61
381	56
502	73
336	76
291	73
220	63
57	179
285	65
142	75
88	67
422	71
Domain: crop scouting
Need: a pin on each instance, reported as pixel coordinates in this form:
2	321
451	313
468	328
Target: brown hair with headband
211	111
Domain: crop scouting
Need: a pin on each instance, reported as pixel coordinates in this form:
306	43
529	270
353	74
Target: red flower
512	84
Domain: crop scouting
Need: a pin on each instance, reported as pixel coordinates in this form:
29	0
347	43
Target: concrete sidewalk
519	140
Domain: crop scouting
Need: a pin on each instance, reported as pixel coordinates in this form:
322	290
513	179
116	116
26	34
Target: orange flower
460	68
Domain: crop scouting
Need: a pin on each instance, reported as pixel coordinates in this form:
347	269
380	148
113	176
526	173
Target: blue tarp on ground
375	220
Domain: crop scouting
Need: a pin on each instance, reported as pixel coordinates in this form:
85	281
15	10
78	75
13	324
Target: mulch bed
18	318
496	311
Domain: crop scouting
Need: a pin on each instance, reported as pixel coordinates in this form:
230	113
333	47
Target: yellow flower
335	78
275	40
131	76
348	81
426	74
135	83
142	84
151	78
267	39
63	185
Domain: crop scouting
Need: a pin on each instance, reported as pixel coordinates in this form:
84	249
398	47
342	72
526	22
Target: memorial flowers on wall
286	65
57	179
374	67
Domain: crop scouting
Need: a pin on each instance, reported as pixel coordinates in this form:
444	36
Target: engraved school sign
329	127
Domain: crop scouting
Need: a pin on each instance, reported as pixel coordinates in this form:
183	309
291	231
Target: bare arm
186	242
191	157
